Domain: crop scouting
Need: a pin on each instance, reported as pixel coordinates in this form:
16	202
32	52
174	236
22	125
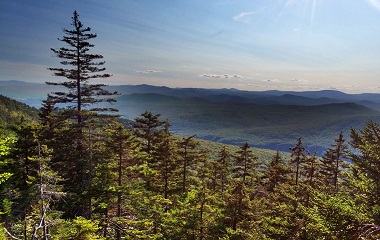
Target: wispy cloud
298	80
375	4
271	80
30	72
147	71
226	76
244	17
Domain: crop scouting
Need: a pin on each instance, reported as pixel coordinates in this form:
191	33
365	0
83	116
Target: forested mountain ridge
27	91
269	119
14	112
272	126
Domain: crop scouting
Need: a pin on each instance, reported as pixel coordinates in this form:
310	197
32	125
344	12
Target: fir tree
81	67
222	169
242	183
366	159
245	164
333	163
147	129
188	154
167	164
277	173
298	157
72	144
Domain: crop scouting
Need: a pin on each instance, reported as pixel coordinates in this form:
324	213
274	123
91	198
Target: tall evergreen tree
298	157
245	164
147	129
276	173
222	169
188	153
48	120
333	163
81	66
123	146
366	159
24	168
244	174
74	151
167	164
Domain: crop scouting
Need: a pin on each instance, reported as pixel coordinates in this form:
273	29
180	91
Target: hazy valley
270	119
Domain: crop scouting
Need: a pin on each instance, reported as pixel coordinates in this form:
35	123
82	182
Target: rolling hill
269	119
273	126
14	112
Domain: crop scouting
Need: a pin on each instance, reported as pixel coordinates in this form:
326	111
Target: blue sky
246	44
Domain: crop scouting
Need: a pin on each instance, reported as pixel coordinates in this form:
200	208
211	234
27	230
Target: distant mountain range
307	98
268	119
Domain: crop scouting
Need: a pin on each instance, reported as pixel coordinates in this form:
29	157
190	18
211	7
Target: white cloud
244	17
147	71
226	76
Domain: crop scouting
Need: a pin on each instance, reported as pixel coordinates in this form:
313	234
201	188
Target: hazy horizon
286	45
211	88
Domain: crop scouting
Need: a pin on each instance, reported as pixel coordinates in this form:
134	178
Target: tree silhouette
80	66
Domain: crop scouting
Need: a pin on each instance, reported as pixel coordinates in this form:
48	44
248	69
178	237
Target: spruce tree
245	164
298	157
188	153
366	160
222	168
80	67
147	129
167	164
333	163
242	185
72	136
23	168
277	173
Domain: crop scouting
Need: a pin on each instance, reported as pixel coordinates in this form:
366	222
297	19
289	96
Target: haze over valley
270	119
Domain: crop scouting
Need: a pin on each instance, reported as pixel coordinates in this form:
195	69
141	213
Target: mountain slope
270	119
269	126
14	112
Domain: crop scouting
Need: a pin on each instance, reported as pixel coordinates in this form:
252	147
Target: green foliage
277	173
367	165
298	157
5	148
3	235
14	112
76	229
334	163
333	216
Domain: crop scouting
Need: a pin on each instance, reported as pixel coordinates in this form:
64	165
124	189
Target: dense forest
78	171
